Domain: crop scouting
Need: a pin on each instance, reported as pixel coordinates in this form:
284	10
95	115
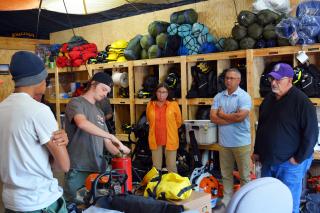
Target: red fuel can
123	165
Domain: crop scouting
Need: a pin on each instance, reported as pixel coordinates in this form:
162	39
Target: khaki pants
229	155
170	155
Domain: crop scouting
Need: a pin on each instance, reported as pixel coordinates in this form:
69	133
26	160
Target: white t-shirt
25	127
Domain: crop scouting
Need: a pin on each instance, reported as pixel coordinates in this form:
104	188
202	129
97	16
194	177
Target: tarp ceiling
20	17
74	6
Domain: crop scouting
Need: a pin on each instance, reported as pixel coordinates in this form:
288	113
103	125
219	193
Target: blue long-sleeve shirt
287	128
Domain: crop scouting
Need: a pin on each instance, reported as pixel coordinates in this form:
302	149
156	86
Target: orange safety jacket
173	122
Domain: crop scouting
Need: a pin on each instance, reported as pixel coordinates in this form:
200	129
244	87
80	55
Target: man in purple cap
287	132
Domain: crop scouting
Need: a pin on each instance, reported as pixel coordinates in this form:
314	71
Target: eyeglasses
230	78
162	92
270	79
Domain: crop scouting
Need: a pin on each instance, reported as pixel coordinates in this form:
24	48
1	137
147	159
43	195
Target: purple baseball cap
281	70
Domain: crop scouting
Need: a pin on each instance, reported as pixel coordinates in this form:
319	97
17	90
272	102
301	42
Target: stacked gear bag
182	36
204	84
305	27
100	59
255	31
76	52
116	51
196	38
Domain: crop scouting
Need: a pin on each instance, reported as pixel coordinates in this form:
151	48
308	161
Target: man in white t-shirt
28	152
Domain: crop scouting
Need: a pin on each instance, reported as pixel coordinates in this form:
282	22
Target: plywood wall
8	46
218	15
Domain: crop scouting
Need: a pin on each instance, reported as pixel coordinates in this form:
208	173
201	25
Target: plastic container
205	131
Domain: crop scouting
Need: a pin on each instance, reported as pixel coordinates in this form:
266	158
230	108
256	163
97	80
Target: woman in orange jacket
164	119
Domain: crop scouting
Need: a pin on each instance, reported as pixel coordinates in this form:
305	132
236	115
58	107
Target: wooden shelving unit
128	110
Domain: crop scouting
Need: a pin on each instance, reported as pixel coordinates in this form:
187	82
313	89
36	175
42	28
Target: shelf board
157	61
258	101
109	65
217	56
213	147
122	137
200	101
141	100
119	100
147	100
62	100
315	101
311	48
287	50
82	68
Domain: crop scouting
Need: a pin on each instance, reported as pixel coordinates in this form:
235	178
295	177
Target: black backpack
141	155
204	84
310	80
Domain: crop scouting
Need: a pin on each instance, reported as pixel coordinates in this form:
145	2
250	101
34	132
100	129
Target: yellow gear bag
169	186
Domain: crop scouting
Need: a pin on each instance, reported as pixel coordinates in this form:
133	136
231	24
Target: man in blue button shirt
287	132
230	111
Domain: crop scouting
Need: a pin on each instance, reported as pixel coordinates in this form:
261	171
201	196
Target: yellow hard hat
119	44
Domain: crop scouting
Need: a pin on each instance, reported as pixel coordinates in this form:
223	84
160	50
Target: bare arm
112	144
82	122
216	119
60	156
235	117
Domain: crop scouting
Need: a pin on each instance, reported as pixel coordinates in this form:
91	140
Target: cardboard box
199	201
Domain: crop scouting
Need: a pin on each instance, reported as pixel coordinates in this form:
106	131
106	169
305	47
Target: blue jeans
73	181
291	175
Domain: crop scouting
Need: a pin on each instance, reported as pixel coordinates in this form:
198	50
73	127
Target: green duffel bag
238	32
230	44
267	16
161	40
133	50
189	16
255	31
144	54
247	43
154	52
246	18
283	42
157	27
269	32
147	41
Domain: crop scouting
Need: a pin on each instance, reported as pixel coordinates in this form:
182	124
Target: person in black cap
27	143
287	132
88	135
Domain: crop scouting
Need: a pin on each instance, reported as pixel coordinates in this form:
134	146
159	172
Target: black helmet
172	80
